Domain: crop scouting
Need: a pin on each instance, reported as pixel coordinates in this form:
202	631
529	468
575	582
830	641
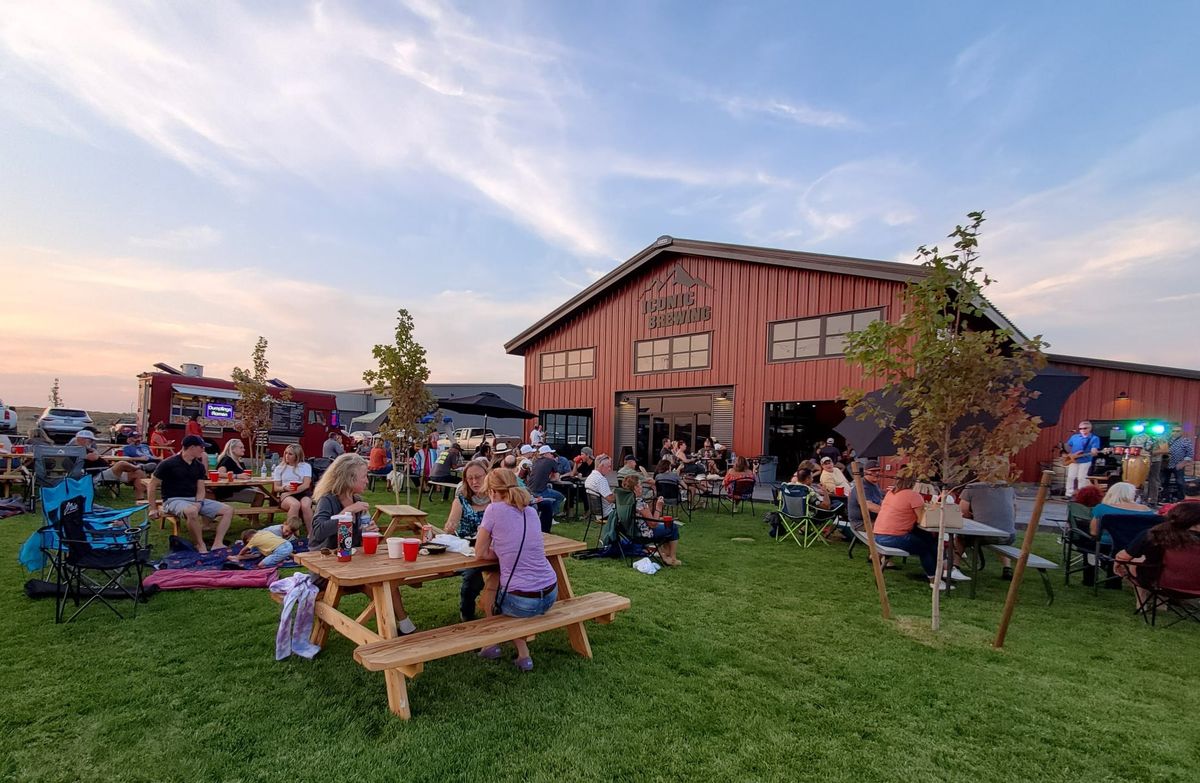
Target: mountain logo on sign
680	277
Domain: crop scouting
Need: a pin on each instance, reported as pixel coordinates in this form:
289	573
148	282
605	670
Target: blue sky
176	179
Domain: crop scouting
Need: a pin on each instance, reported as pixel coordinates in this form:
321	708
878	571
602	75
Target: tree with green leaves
960	379
400	377
255	400
55	395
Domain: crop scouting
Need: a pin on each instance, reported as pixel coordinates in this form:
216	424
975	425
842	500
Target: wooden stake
1026	544
869	527
936	615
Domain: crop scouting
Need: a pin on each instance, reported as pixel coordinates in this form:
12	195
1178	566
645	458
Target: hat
86	435
501	448
630	457
826	459
134	434
193	440
871	464
829	441
525	463
546	450
527	449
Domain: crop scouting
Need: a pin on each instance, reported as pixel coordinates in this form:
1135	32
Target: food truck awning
206	391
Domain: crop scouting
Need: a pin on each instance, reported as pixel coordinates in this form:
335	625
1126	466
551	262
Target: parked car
468	438
60	424
8	418
121	428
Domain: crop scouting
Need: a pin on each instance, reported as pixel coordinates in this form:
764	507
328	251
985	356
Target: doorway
794	429
686	418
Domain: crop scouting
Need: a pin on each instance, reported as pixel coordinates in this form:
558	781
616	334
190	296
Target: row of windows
804	338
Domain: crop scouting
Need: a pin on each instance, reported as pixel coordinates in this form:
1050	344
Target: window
687	352
810	338
568	365
568	430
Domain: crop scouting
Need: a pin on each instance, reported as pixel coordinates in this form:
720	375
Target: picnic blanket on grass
184	557
11	507
173	579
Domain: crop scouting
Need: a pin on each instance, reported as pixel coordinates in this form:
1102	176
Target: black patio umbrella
487	405
1052	384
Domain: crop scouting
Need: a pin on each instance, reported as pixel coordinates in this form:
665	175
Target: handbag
940	513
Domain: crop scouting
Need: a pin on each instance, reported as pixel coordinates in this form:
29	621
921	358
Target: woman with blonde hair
1121	498
230	461
294	470
466	512
511	533
340	491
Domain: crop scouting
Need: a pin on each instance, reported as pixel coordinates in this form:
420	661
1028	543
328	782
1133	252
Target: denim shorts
179	506
521	606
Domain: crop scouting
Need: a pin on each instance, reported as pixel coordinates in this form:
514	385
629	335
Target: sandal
491	652
524	664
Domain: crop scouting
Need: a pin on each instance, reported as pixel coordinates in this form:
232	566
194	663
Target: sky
179	178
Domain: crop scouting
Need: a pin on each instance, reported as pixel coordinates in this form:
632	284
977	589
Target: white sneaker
940	583
959	576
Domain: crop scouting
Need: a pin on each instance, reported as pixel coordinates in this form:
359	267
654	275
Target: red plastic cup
229	477
213	475
18	449
293	485
370	543
668	521
412	547
839	491
246	474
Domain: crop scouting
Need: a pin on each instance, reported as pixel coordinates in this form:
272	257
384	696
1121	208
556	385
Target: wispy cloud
184	238
798	113
234	94
976	65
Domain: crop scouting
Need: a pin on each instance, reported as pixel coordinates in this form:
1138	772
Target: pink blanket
173	579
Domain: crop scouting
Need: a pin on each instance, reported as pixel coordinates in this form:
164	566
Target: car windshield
70	413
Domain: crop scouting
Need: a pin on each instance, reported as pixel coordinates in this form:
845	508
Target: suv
120	430
8	418
60	424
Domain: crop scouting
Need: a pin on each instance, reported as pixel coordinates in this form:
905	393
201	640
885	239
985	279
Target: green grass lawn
754	661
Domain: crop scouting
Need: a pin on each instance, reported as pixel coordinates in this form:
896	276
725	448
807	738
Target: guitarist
1080	448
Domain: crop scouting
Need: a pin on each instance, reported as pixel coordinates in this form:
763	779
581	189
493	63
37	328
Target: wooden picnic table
381	577
399	516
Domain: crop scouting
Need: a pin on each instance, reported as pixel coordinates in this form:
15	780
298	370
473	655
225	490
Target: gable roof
1108	364
667	246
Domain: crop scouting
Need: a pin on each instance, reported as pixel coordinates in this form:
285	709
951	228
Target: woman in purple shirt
512	533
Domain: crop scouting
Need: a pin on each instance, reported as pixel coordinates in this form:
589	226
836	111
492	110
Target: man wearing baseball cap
829	450
182	477
544	471
121	472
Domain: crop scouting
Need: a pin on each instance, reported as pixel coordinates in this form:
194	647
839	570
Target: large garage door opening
796	429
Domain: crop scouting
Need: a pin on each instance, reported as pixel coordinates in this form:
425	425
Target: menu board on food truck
287	418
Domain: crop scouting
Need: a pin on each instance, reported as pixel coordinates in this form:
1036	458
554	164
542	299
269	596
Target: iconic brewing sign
673	309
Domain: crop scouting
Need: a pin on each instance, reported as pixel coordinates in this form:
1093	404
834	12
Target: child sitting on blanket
270	542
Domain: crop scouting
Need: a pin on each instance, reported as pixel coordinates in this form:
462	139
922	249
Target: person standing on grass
511	533
182	477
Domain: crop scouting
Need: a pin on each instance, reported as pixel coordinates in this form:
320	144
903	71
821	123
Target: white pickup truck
8	419
468	438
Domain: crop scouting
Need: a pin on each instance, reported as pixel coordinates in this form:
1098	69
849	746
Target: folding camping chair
114	551
1121	529
622	530
1174	586
95	517
799	517
53	464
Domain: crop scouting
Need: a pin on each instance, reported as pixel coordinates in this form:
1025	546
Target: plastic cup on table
213	475
18	449
230	476
840	491
412	546
370	542
395	547
246	475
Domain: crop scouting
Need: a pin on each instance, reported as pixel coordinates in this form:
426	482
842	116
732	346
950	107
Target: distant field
28	415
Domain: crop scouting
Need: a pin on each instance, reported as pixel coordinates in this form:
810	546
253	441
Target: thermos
345	537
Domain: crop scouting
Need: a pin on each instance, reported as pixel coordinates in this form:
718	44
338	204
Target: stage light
1158	429
1139	427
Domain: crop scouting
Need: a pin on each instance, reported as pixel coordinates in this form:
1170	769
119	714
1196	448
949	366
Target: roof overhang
667	246
206	391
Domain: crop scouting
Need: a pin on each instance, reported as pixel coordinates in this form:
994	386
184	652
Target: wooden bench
884	550
249	512
9	480
407	655
1035	561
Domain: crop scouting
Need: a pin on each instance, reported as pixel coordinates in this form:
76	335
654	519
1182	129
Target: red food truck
173	398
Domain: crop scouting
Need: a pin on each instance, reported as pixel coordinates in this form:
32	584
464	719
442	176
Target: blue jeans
468	592
549	493
281	553
522	606
664	532
916	542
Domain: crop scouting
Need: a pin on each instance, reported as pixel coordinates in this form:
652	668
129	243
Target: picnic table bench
383	649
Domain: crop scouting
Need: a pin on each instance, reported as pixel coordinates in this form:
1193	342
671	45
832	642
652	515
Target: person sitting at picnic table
230	461
445	465
293	470
182	477
378	463
896	526
740	470
1120	499
992	501
510	533
871	491
585	463
340	491
1143	558
6	444
466	512
333	448
648	519
121	471
272	544
160	444
545	470
832	477
137	452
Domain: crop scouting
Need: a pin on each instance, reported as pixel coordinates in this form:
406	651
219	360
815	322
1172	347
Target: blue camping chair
43	547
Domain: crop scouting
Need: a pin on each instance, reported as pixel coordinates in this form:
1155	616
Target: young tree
401	377
254	405
55	395
960	380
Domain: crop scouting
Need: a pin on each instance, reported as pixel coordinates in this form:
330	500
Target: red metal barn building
172	398
689	339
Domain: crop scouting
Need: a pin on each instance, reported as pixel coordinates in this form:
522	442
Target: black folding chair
595	513
672	496
741	491
115	554
1122	529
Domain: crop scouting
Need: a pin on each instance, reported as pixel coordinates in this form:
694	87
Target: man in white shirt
832	477
536	438
597	481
